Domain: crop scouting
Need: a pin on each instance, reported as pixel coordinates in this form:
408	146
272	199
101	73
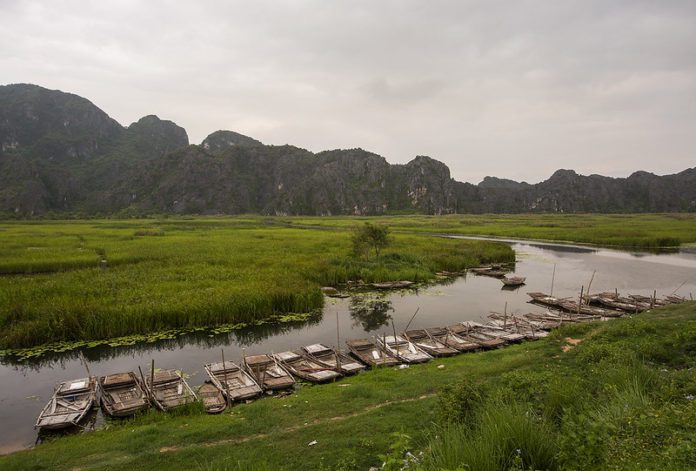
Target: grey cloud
513	89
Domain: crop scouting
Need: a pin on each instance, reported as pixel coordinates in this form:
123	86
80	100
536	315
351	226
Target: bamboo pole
152	377
224	377
338	345
582	289
652	301
589	286
84	362
505	316
675	291
409	322
553	277
142	376
394	330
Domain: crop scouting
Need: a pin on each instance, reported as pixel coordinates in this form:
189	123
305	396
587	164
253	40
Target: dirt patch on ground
570	343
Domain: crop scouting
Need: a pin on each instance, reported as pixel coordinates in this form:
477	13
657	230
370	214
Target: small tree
369	237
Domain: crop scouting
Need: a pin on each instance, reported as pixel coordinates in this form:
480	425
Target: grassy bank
89	280
619	399
618	230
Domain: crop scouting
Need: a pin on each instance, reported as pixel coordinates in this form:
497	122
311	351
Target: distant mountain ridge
60	153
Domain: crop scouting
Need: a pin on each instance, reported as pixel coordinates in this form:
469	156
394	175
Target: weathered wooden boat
545	299
306	368
482	340
169	390
523	324
70	404
428	344
527	329
231	379
452	340
212	398
268	373
672	299
648	300
492	272
370	353
508	334
122	394
513	280
392	284
331	358
402	349
569	305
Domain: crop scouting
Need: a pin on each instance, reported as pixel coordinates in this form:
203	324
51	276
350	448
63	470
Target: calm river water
27	386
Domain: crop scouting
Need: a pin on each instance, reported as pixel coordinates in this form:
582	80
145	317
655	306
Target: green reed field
622	398
617	230
99	279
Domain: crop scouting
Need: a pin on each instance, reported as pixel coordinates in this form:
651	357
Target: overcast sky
514	89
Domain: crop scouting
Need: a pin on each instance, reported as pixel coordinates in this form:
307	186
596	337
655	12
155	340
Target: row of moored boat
124	394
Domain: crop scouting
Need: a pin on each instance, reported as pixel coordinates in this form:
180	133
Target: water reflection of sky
27	386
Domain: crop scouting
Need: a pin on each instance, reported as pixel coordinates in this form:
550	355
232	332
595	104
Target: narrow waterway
27	386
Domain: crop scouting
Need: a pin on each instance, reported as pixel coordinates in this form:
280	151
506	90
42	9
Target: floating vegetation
24	354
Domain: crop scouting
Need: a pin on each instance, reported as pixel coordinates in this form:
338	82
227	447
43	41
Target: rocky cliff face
60	153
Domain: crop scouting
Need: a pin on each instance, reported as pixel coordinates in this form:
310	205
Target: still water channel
26	386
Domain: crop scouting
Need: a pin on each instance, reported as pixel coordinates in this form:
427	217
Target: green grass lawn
617	400
98	279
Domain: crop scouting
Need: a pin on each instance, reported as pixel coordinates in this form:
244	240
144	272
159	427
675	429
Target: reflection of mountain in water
370	312
562	248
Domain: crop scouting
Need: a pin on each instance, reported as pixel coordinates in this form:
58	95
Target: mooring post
152	377
654	298
224	376
338	346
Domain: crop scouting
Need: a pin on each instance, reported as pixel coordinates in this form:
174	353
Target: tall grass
501	435
616	230
67	281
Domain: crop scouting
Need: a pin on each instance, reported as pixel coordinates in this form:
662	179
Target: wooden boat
333	359
213	400
572	306
428	344
306	368
513	280
169	390
489	271
482	340
528	331
230	378
493	331
122	394
452	340
671	299
532	330
370	353
654	302
268	373
393	284
402	349
71	402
